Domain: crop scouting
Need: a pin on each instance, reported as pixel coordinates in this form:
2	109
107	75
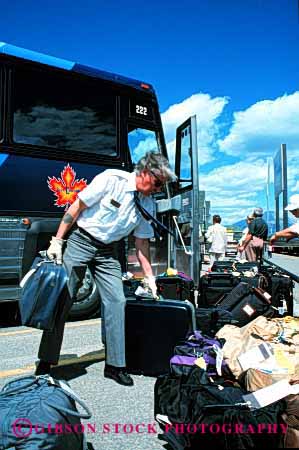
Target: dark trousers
83	251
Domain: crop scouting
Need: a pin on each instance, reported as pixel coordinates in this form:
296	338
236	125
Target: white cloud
262	127
207	111
234	190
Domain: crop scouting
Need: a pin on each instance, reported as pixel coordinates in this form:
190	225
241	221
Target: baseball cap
294	203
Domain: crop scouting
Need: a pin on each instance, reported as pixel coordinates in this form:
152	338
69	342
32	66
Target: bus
62	123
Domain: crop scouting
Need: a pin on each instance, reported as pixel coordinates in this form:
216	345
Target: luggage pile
246	290
239	389
155	327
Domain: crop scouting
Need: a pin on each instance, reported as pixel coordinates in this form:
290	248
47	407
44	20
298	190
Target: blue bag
42	294
41	413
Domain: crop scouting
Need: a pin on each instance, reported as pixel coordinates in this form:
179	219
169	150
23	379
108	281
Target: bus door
183	205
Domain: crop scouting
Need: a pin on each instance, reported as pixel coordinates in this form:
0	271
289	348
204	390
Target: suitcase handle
221	275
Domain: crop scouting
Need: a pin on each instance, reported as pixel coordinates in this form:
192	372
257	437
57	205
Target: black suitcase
176	288
280	287
246	303
214	286
153	329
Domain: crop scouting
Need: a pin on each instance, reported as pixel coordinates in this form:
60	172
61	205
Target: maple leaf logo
66	188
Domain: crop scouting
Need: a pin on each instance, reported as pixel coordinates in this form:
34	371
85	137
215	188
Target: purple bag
197	345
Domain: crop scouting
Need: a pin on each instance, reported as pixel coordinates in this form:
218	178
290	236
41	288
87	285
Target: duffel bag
41	413
42	294
200	350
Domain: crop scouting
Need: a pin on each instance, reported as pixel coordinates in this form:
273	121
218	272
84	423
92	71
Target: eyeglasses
158	182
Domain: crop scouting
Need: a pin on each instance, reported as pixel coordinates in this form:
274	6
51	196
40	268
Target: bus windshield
140	141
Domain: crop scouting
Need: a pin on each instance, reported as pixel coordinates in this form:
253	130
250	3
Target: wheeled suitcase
246	303
176	287
214	286
153	329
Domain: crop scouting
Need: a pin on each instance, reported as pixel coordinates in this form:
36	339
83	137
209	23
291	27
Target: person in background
292	231
105	212
254	240
217	237
241	255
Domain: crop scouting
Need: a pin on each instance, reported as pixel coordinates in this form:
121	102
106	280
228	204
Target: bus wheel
87	303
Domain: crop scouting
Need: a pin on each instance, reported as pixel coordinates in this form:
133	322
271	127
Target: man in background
257	233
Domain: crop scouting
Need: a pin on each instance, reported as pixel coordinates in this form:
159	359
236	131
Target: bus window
51	110
141	141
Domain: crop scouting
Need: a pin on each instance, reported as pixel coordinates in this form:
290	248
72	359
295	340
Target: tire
88	302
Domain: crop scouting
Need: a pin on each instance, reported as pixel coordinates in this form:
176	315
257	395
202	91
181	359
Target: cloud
261	128
207	111
234	190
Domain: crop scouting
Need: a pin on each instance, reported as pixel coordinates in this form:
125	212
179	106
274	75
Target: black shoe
118	374
43	368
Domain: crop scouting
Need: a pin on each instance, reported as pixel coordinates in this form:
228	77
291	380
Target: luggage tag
219	359
200	362
270	394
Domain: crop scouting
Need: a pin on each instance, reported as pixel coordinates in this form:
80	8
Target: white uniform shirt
219	238
295	227
111	213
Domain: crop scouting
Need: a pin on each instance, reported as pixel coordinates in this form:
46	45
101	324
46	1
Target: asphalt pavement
116	410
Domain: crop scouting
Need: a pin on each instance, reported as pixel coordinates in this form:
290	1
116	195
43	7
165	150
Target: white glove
55	249
150	281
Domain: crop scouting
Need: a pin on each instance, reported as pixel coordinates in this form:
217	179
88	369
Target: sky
234	64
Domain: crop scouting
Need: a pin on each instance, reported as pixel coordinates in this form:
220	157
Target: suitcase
153	329
280	287
246	303
176	287
214	286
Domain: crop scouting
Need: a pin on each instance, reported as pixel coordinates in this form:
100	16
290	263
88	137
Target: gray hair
157	163
258	212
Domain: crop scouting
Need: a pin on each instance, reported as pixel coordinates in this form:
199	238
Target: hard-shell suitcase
214	286
153	329
176	287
